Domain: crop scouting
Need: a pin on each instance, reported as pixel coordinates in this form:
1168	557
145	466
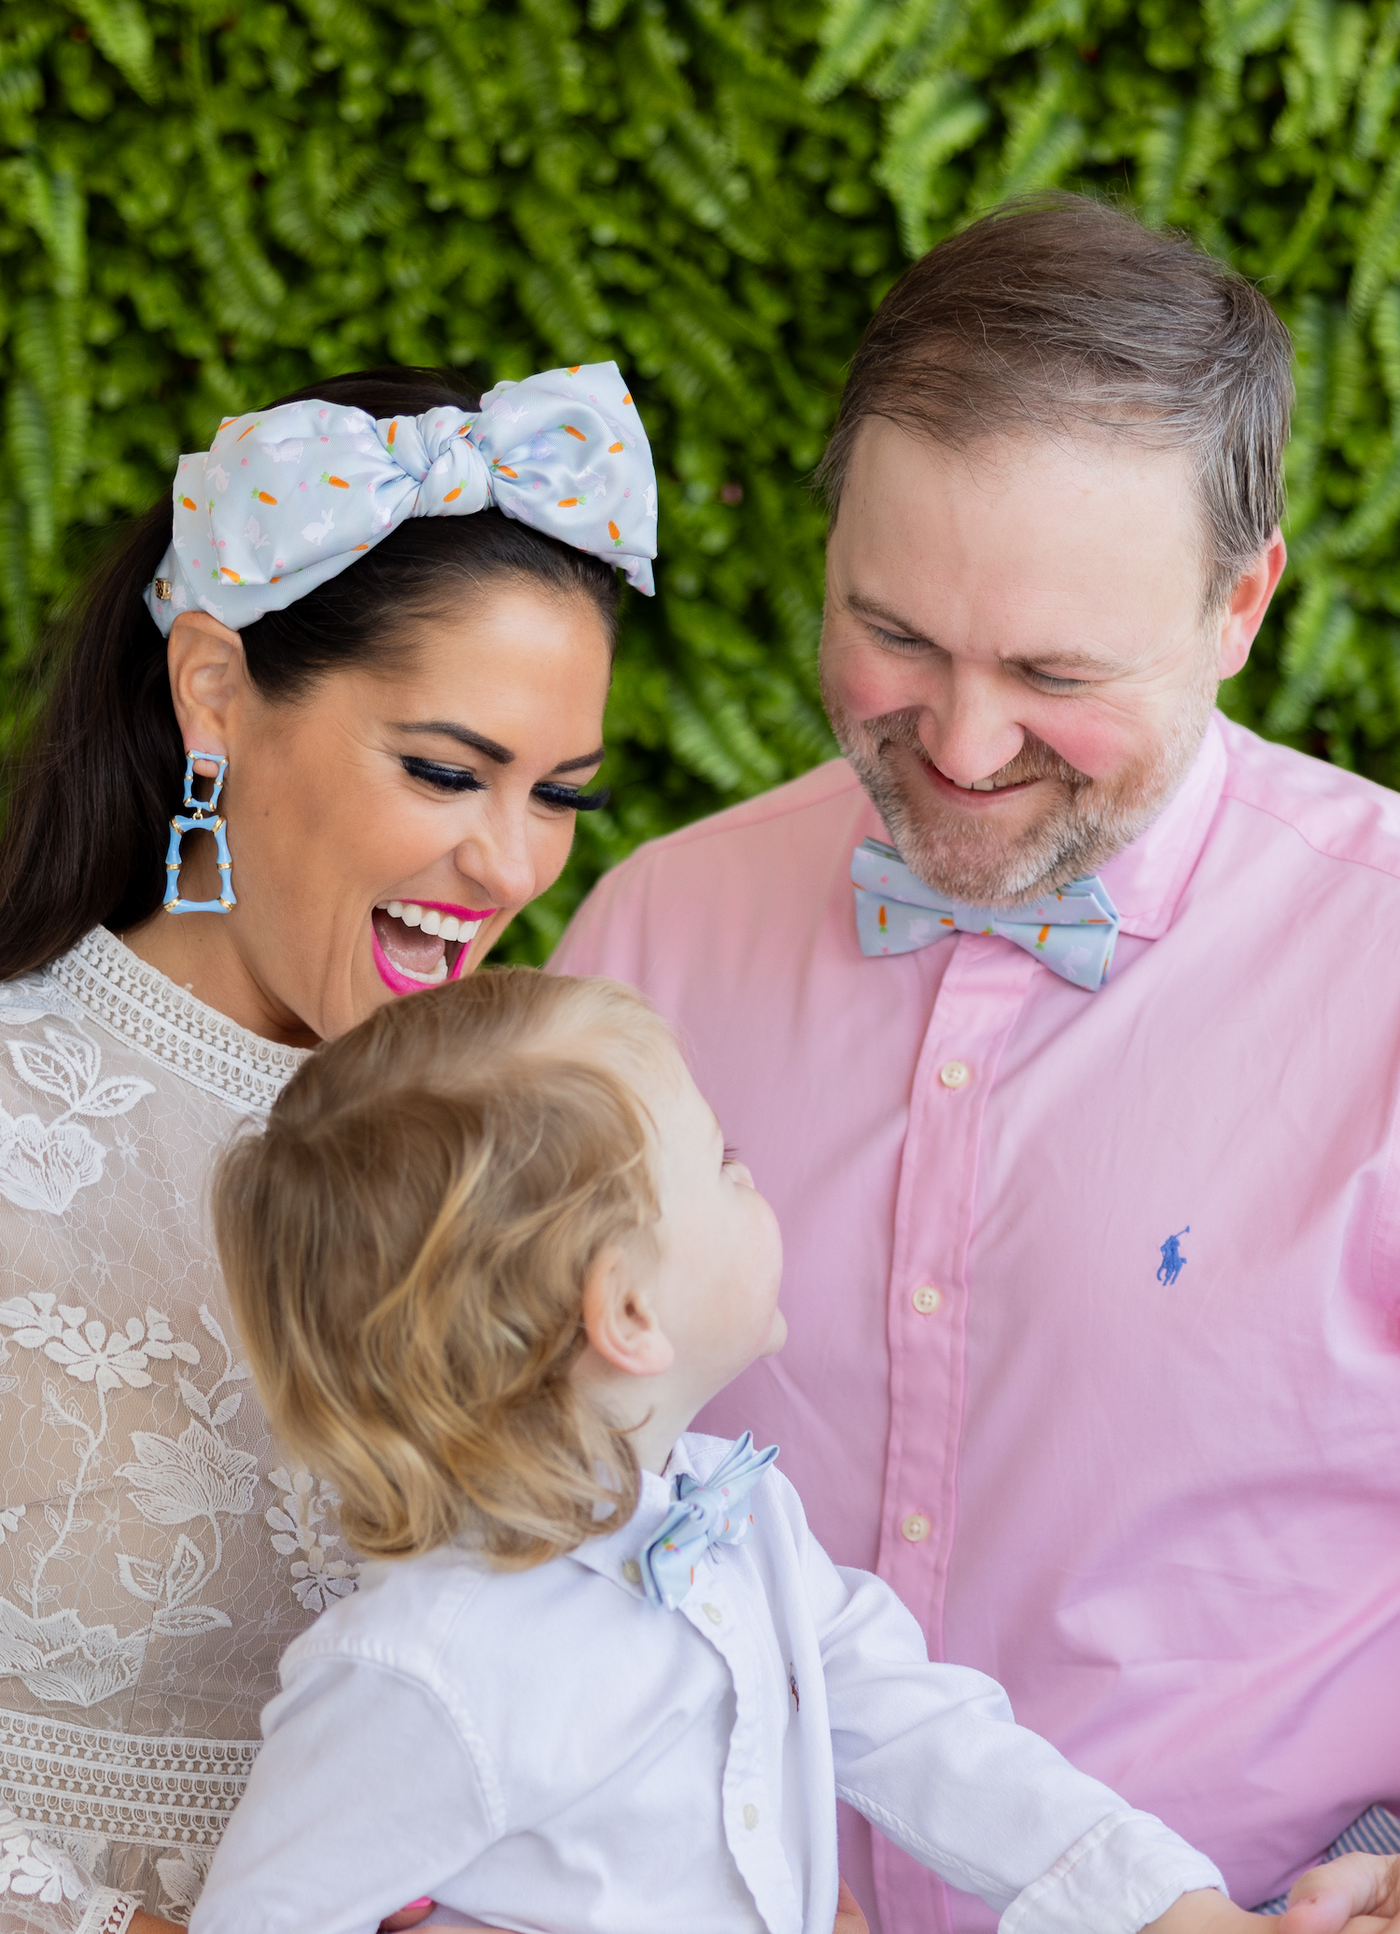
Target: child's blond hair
406	1244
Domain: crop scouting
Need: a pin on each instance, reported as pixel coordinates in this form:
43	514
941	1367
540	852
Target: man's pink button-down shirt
1161	1504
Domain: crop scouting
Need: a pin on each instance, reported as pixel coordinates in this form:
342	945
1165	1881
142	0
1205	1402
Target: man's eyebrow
886	615
445	729
1069	660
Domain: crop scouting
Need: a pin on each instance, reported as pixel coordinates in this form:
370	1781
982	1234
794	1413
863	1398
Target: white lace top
156	1552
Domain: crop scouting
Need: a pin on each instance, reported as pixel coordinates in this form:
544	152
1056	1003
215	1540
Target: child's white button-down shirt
546	1750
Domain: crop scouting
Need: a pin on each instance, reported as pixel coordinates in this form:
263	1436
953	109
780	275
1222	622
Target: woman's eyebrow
444	729
576	765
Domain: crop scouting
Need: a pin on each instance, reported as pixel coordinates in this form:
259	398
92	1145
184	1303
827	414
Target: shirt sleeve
932	1755
365	1796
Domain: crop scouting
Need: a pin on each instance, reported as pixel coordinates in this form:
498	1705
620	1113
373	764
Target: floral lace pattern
306	1523
147	1520
30	1868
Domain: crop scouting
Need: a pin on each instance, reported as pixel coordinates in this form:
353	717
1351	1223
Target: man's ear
1249	600
207	677
620	1320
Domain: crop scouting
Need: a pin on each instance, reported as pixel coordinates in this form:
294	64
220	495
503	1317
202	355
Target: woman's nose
497	858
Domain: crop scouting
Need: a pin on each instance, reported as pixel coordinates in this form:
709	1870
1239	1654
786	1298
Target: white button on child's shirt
712	1612
954	1073
927	1299
750	1816
916	1527
631	1571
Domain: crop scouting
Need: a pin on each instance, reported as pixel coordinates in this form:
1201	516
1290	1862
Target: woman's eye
445	778
570	799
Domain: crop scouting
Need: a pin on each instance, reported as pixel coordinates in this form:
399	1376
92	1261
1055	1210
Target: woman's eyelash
731	1154
571	798
445	778
458	779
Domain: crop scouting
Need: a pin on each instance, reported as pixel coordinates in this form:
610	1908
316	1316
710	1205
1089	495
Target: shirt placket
979	1000
722	1606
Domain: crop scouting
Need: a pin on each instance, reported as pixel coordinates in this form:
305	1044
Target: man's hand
1356	1894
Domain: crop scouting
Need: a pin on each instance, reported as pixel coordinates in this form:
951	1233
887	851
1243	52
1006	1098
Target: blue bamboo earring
200	818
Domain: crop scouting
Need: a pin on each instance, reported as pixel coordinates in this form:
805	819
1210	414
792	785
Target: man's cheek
1095	745
868	684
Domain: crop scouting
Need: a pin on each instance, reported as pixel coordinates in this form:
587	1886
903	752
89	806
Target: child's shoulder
401	1614
419	1616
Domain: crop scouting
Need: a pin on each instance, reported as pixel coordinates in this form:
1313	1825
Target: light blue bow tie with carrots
1073	931
712	1513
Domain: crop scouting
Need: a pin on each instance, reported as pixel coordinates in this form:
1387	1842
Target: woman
374	716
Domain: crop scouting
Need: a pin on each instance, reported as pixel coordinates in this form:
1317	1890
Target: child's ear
620	1320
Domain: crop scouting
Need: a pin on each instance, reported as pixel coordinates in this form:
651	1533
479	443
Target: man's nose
969	730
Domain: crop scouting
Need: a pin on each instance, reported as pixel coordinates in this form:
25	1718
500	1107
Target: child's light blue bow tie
703	1515
1072	931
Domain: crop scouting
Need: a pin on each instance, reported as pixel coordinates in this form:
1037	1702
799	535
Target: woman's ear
208	675
620	1320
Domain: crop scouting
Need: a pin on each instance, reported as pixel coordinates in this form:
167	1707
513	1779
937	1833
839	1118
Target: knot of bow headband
286	498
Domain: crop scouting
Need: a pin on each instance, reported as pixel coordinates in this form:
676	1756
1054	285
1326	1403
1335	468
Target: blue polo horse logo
1173	1262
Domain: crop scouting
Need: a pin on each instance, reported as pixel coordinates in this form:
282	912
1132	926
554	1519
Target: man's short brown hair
1061	314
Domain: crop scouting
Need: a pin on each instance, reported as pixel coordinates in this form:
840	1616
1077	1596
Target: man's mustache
1035	760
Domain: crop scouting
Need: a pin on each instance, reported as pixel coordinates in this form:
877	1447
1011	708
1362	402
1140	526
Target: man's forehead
883	451
1065	540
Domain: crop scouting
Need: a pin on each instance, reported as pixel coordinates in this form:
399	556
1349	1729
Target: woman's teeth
431	921
423	943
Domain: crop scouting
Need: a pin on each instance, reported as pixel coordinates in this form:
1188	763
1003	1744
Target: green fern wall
202	205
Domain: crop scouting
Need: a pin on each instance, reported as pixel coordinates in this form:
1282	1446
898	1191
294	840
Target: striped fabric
1377	1831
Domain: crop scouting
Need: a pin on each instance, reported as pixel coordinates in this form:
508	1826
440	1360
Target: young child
490	1257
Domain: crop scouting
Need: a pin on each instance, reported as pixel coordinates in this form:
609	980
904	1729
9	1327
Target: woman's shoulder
108	1069
102	982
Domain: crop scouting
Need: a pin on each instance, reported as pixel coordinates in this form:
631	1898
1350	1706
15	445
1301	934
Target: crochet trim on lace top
141	1005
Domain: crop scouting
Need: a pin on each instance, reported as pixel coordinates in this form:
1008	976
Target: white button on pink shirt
1153	1488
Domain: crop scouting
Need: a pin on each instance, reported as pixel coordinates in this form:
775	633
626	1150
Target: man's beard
1083	823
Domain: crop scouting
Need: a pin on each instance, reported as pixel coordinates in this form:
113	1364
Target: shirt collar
1146	880
616	1555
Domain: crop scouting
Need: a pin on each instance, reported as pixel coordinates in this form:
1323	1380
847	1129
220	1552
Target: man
1093	1281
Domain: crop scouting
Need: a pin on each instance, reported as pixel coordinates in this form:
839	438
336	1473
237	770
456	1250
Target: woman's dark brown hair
91	792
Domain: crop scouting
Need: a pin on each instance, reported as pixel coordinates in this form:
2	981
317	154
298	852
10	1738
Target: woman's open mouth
421	943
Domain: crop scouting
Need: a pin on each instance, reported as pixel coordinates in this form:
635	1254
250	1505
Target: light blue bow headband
287	498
